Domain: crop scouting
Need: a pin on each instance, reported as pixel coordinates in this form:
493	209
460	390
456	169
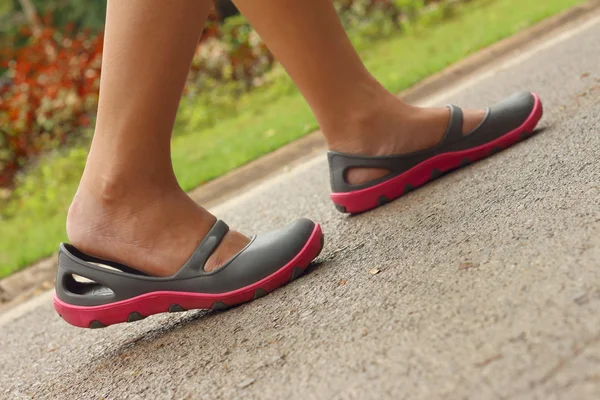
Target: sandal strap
454	131
195	265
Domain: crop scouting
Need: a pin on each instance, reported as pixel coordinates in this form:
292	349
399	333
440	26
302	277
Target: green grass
265	120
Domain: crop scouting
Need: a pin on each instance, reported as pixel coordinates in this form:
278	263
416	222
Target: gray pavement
489	285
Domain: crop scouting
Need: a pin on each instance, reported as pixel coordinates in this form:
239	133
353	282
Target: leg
129	207
356	114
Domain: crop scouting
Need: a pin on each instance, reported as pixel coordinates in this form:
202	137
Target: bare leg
129	207
356	114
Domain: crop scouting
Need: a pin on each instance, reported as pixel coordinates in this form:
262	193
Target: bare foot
394	128
152	230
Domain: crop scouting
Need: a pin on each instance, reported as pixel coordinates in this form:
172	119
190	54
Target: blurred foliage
79	13
51	93
82	14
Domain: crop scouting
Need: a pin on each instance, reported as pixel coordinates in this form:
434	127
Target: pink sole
159	302
366	199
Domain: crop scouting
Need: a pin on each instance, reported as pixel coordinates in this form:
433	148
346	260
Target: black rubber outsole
135	316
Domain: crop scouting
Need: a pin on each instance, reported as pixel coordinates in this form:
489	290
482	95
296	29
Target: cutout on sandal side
380	172
84	287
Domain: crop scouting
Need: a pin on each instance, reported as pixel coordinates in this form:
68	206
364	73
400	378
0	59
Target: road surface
489	282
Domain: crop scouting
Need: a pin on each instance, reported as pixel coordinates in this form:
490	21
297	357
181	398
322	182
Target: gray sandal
115	293
504	125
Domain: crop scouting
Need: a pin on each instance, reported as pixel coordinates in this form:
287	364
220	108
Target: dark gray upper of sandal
500	119
265	254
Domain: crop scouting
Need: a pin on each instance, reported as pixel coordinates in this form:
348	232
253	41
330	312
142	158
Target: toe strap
195	264
454	131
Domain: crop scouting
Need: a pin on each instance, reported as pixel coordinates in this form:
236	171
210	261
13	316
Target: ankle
107	205
372	128
125	185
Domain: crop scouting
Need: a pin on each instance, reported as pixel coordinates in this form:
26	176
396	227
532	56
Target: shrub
52	91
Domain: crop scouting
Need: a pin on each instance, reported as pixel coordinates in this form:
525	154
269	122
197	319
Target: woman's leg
356	114
129	207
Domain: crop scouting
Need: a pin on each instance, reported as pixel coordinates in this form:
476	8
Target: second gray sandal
504	125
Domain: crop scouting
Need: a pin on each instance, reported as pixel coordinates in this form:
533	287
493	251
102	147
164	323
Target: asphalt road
489	282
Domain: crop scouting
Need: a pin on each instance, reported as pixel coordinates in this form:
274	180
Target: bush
52	92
